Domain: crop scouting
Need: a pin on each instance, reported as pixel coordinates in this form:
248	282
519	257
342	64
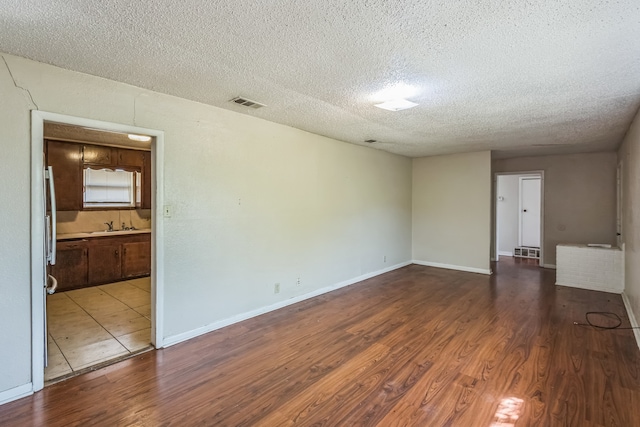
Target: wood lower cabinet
104	262
71	266
100	260
136	259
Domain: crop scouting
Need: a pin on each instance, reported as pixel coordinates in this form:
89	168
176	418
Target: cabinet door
130	157
147	177
71	266
99	155
65	159
136	259
104	263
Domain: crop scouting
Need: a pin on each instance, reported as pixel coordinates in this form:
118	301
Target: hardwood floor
415	347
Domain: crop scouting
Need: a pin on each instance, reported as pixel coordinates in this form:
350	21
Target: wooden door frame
619	203
38	233
496	226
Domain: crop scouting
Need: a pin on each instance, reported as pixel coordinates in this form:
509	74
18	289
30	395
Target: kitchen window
108	188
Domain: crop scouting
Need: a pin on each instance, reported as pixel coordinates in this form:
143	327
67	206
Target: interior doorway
519	215
109	273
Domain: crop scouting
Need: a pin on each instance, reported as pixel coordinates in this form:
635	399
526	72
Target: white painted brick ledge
596	269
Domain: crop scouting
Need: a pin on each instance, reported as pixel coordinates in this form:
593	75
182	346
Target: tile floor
94	325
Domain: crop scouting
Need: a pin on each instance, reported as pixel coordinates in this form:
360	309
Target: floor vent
247	102
526	252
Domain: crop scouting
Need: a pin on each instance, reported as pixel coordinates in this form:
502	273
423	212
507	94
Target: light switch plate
168	211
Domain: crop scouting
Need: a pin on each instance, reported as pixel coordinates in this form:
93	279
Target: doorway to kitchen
96	244
519	207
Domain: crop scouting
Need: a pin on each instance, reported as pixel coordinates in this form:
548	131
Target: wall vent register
526	252
247	102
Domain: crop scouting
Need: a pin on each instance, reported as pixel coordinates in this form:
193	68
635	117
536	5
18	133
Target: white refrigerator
50	282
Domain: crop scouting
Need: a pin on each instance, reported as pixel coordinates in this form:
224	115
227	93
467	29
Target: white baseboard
453	267
611	290
16	393
505	253
551	266
175	339
632	318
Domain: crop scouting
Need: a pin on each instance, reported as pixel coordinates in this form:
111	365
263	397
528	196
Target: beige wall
629	156
15	252
254	203
451	210
579	197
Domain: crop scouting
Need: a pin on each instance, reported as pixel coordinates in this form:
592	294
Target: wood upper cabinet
65	158
136	259
110	156
71	266
147	177
130	158
104	262
68	159
99	155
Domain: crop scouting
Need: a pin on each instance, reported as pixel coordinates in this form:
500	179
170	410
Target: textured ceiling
522	76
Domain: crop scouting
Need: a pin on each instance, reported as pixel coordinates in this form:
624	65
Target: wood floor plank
418	346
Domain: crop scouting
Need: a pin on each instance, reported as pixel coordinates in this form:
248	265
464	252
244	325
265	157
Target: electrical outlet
384	259
298	283
276	288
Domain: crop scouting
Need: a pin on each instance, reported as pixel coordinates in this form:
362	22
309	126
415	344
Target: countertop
582	245
69	236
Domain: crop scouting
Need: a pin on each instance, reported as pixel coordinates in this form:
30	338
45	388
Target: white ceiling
520	76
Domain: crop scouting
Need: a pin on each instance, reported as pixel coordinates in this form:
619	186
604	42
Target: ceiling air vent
247	102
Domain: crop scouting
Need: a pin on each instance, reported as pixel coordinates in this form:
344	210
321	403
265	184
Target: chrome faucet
110	225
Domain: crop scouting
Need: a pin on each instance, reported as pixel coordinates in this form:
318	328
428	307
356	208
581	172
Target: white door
530	212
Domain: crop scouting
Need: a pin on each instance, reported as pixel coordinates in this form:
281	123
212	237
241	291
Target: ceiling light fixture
396	91
141	138
396	105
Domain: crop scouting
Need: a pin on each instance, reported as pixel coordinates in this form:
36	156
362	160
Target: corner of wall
629	158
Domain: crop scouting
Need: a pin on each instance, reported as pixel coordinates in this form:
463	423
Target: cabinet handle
116	252
124	251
